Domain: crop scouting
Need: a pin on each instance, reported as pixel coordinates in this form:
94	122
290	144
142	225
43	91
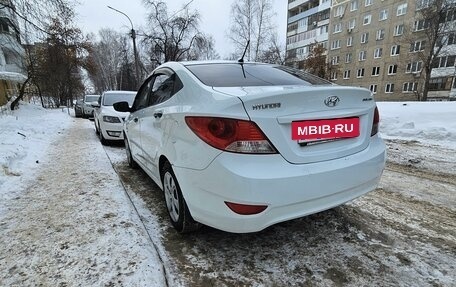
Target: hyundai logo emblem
332	101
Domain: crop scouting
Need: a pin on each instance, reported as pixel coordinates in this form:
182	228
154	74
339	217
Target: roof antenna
241	60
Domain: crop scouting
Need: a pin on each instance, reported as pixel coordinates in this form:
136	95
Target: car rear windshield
110	99
89	99
245	75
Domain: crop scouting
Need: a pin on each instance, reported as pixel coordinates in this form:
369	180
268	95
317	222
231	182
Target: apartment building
11	54
379	45
308	23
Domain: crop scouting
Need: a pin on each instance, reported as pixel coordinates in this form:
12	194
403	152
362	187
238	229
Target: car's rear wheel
178	211
131	162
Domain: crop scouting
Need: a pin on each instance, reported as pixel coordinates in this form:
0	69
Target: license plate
325	129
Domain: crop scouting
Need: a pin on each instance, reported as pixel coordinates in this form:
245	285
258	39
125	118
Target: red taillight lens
245	209
230	135
375	122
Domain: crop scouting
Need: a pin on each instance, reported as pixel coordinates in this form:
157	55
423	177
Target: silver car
87	109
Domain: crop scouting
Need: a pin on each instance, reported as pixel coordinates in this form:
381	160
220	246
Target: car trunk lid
275	108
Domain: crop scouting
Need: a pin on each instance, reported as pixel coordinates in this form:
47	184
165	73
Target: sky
215	17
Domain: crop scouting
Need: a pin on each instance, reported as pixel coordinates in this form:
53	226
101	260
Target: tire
178	212
97	131
102	139
131	162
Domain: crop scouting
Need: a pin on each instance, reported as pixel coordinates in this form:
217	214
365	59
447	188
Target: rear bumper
289	190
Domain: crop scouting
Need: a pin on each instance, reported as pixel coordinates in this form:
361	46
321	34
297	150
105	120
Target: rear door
157	123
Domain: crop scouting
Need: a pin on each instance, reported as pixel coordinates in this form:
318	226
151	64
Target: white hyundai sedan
108	122
242	146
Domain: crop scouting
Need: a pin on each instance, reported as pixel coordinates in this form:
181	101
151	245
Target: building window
442	62
375	71
367	19
389	88
383	15
401	9
451	39
437	84
334	76
339	12
360	73
335	44
337	28
347	74
4	28
351	24
409	87
367	2
362	56
380	34
349	41
414	67
399	30
420	25
421	4
395	50
335	60
417	46
373	88
354	5
392	69
378	53
323	29
450	16
348	58
364	38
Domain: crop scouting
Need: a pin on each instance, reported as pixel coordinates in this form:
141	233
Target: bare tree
275	54
108	61
427	36
204	49
251	20
171	38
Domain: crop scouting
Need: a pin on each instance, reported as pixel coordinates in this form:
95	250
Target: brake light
375	122
232	135
245	209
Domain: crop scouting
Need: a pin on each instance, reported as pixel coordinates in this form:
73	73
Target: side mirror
122	107
95	104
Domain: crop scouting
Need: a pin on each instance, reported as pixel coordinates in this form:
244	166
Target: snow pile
25	135
427	122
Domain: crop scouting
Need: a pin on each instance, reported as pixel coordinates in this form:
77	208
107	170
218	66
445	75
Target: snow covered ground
425	122
102	241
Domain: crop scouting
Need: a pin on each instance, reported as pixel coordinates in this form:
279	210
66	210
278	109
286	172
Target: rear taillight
231	135
375	122
245	209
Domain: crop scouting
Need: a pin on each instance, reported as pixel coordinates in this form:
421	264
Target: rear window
110	99
245	75
89	99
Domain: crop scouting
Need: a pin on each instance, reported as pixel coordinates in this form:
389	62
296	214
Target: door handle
158	115
135	120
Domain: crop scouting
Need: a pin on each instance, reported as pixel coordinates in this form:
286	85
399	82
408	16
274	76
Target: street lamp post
133	36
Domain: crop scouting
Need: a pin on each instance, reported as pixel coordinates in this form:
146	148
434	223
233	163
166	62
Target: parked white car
242	146
108	122
87	109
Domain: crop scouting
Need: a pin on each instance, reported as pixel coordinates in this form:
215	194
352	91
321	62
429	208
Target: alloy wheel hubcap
171	196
